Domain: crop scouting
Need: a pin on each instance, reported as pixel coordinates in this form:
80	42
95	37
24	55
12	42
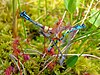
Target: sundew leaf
71	61
70	5
95	19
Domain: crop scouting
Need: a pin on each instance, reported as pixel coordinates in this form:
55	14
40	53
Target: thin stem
71	18
87	12
48	60
45	67
38	8
13	57
15	34
46	7
87	55
25	34
66	47
58	48
97	3
35	51
19	6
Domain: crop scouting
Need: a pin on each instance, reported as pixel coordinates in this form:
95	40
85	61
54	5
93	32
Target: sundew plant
50	37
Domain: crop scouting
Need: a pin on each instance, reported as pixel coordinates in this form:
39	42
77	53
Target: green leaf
95	19
78	3
70	5
71	61
66	3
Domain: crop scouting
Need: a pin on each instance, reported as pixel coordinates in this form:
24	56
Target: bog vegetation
49	37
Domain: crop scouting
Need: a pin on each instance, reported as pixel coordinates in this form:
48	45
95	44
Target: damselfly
77	27
24	15
44	28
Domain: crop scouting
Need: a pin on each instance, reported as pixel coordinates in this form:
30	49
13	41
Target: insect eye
83	26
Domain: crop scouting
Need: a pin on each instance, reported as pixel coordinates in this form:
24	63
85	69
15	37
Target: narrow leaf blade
95	19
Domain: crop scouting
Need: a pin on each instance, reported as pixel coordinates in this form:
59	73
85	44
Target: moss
47	15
